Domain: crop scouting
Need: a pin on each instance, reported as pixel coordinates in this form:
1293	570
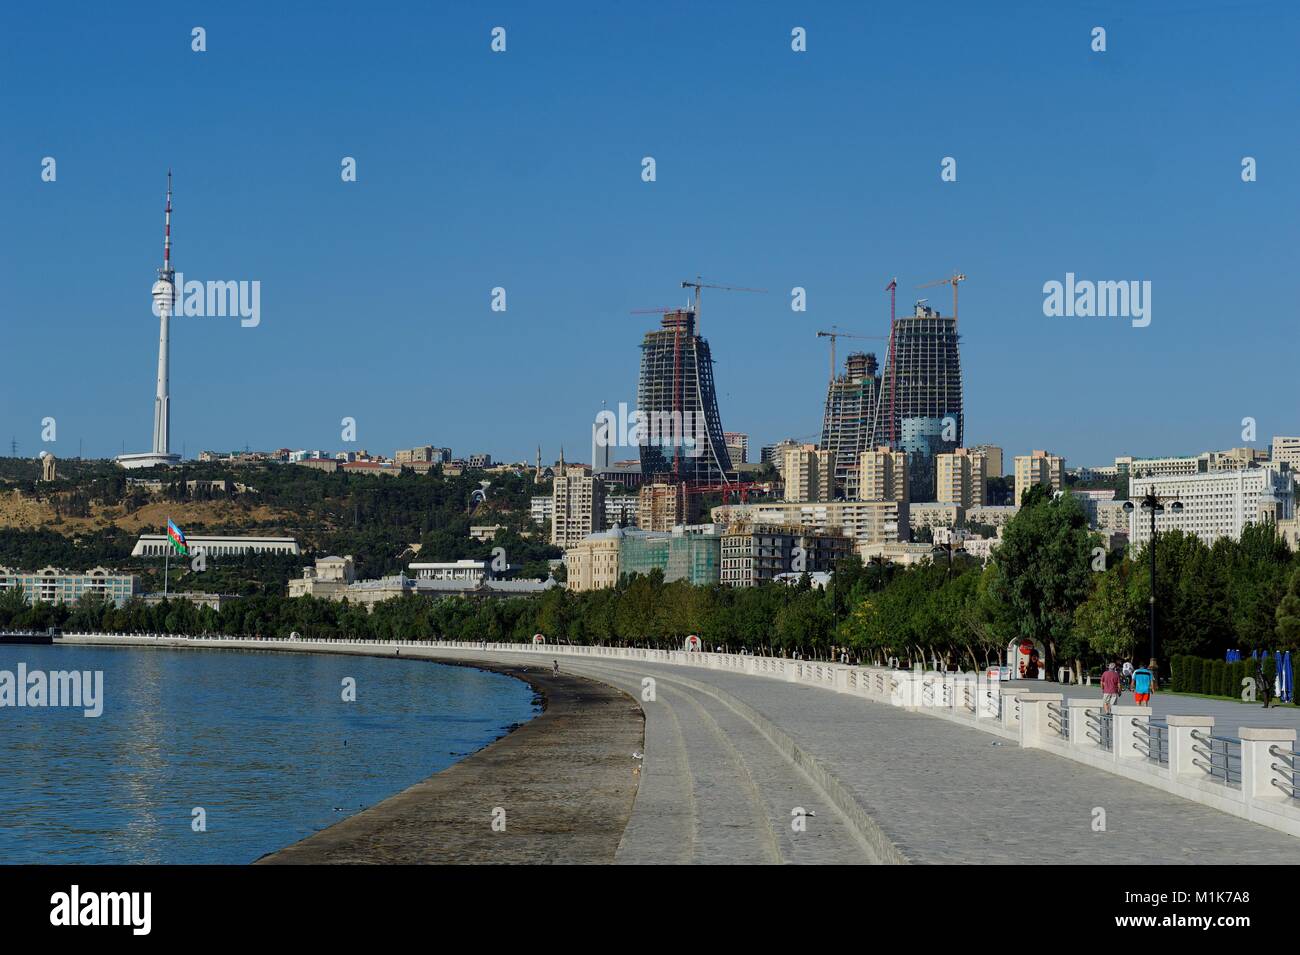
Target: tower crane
835	333
953	281
700	284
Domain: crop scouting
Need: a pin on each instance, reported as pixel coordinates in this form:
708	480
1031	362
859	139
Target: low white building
156	545
1215	504
465	571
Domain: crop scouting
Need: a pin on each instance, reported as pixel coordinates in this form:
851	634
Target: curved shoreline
562	783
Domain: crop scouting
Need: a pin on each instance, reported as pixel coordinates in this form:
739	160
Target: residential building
1216	504
579	505
479	461
962	476
52	585
993	456
542	509
484	532
1286	450
922	514
808	474
882	475
737	446
663	506
864	521
621	509
992	515
1040	467
424	454
756	553
896	552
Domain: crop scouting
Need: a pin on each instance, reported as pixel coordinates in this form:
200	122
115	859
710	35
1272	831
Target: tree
1045	566
1288	615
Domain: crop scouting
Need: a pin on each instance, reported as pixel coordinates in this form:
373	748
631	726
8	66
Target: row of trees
1050	580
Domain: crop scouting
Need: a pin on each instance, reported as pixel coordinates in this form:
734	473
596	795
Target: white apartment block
542	509
1038	467
1216	504
882	475
621	510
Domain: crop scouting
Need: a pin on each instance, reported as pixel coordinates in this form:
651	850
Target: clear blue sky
522	170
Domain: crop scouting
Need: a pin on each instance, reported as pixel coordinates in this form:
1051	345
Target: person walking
1126	672
1143	683
1109	687
555	668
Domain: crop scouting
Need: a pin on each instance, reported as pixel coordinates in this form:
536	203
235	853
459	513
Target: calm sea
262	742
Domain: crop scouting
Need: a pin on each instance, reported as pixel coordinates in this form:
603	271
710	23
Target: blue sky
522	170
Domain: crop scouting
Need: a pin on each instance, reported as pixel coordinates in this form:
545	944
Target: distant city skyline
523	170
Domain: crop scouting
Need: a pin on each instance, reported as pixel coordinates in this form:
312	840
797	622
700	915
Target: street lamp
1154	505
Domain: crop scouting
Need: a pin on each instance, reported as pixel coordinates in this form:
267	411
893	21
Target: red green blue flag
177	537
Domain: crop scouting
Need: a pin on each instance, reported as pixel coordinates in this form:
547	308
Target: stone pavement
940	792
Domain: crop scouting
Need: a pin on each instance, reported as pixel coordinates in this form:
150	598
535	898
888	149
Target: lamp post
1153	504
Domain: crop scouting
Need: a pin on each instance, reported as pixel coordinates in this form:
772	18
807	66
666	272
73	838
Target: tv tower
164	298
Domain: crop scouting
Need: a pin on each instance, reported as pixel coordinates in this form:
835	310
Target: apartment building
1038	467
52	585
962	477
808	473
756	553
578	507
862	521
882	475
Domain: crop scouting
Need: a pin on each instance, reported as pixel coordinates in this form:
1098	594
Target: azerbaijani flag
177	537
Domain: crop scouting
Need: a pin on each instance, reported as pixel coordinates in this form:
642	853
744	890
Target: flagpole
167	555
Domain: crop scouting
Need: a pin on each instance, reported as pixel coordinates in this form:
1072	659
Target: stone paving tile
946	793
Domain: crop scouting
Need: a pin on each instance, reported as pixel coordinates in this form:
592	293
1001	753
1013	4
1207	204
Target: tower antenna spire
166	270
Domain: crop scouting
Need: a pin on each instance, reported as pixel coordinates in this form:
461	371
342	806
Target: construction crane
835	333
953	281
700	284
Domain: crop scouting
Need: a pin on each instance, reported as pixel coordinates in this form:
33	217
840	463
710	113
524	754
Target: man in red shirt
1109	687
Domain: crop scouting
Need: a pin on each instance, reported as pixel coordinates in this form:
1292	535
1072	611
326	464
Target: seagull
638	755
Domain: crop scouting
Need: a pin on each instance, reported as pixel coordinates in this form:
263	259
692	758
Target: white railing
1251	776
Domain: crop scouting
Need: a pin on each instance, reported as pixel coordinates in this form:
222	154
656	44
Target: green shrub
1195	670
1178	672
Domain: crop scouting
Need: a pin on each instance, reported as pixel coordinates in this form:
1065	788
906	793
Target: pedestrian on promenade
1127	673
555	667
1143	683
1109	687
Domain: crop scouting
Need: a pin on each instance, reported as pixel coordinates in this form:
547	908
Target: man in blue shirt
1143	683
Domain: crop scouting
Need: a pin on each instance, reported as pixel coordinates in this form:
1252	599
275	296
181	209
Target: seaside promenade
740	768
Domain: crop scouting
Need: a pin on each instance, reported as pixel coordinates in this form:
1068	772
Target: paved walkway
940	792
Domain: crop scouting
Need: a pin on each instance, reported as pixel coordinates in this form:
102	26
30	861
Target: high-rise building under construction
920	409
846	425
683	432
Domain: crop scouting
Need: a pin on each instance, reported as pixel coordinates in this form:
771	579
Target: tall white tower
164	299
